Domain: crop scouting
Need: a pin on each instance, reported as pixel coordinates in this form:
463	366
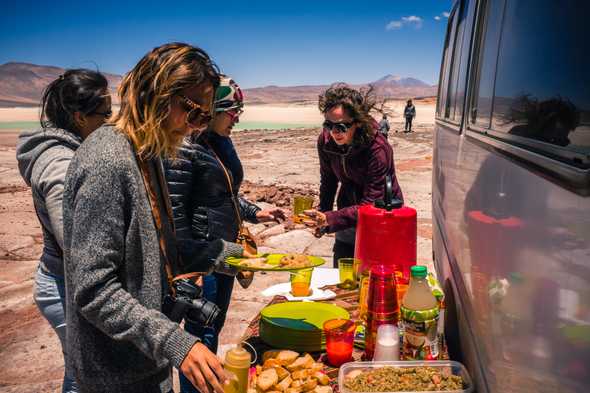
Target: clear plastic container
456	369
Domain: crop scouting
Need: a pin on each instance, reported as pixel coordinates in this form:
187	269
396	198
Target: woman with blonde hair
120	256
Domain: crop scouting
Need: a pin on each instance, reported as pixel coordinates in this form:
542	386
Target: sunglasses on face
195	115
338	128
234	113
106	114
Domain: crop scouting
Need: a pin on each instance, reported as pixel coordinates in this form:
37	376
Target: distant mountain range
21	84
390	86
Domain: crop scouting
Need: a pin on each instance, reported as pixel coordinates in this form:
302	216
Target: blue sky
257	42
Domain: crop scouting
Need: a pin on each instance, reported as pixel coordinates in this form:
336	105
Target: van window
542	88
454	101
446	63
481	108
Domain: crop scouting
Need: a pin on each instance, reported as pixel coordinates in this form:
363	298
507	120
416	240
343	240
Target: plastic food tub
455	367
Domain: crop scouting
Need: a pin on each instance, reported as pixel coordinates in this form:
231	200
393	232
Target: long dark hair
77	90
357	104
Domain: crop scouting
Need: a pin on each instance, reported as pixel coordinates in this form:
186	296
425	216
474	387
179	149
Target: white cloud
414	20
437	17
446	14
394	25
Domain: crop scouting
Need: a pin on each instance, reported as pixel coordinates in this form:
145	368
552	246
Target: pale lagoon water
245	125
18	125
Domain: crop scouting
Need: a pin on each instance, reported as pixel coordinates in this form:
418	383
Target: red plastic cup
382	297
339	340
382	302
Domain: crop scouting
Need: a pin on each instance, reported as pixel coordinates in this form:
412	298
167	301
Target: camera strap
244	238
157	191
229	184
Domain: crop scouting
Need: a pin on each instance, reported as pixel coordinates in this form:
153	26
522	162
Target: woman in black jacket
204	181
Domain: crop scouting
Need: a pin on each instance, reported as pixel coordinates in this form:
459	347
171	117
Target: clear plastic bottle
419	315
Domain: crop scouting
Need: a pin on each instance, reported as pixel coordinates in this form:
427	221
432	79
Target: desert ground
278	163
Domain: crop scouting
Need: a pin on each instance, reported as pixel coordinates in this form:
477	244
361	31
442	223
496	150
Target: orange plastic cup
301	282
339	340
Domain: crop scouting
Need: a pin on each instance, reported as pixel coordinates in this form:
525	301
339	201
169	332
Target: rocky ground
278	164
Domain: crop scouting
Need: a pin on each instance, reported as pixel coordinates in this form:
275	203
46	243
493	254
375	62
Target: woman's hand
246	254
315	219
203	369
274	214
245	278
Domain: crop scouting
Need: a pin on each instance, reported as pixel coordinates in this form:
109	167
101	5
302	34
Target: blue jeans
217	288
49	296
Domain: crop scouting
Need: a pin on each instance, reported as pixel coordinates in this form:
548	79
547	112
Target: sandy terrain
29	351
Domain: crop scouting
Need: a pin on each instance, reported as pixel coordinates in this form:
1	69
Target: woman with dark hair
120	252
204	182
72	107
353	154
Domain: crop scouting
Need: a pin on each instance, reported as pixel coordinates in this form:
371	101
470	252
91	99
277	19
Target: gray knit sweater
118	340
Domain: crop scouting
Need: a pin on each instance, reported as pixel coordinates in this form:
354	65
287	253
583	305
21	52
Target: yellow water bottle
237	363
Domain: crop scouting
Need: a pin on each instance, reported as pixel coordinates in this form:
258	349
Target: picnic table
347	299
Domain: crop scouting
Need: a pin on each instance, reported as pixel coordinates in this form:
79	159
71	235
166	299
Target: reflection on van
511	193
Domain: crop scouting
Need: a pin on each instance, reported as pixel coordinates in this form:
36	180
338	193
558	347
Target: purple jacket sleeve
380	165
328	180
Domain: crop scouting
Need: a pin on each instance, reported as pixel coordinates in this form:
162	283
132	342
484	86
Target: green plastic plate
274	259
307	316
297	325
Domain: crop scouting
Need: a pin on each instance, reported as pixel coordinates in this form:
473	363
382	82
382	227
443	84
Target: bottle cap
419	271
238	357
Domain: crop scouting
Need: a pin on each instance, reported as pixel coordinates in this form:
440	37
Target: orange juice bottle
419	315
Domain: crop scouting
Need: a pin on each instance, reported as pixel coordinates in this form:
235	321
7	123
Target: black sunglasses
339	128
195	116
106	114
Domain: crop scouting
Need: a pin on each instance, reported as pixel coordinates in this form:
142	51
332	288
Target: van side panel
516	248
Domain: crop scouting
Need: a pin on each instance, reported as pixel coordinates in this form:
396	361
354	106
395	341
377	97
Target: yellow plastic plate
274	259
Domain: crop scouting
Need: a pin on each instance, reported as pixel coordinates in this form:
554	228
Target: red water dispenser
386	234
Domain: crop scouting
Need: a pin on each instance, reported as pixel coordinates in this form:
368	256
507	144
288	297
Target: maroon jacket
361	170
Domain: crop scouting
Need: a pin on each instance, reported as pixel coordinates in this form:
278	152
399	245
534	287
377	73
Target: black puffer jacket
201	200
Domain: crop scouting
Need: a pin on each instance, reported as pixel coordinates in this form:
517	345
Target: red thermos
386	234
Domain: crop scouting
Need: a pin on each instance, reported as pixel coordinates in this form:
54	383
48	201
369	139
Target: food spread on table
287	261
295	261
403	379
276	262
289	372
259	263
394	317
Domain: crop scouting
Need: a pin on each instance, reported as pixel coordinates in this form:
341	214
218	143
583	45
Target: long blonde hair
147	90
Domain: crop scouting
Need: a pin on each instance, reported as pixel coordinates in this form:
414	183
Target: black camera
189	304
